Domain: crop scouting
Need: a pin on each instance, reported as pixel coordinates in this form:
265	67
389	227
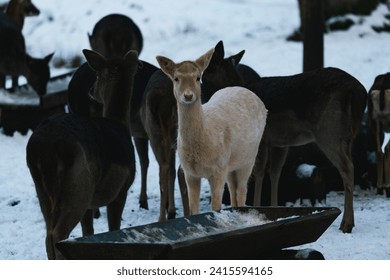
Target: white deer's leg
232	183
242	183
217	184
193	184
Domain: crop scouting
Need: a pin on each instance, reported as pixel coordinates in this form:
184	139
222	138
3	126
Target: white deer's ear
166	65
204	60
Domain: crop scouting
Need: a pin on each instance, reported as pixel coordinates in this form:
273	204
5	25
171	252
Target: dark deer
80	103
81	163
114	35
159	116
324	106
15	61
17	10
379	122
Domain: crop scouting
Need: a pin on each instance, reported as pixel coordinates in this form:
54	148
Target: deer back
303	99
114	35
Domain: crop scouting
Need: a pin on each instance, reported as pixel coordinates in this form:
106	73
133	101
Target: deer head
186	76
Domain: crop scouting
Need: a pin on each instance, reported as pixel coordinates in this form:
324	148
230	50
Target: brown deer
159	117
81	163
113	36
17	10
324	106
379	122
218	140
80	103
15	61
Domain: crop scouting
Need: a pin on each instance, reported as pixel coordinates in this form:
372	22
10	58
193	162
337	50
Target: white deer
218	140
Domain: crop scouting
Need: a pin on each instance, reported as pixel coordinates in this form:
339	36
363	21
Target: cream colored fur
218	141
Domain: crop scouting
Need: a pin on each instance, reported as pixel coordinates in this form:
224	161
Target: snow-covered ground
184	30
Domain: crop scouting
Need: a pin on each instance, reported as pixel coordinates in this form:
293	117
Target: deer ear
219	53
48	57
95	60
235	59
204	60
166	65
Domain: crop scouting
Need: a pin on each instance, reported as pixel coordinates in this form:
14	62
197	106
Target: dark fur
324	106
17	10
379	123
81	163
80	103
15	62
114	35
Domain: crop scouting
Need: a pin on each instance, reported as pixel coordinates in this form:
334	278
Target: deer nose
188	97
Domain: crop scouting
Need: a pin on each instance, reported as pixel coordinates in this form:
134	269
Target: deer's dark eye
176	79
198	79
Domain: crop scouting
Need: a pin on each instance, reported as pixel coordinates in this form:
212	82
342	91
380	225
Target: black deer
15	61
324	106
159	117
81	163
379	123
80	103
17	10
114	35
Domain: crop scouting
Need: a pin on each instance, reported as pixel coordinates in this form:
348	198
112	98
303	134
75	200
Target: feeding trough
233	233
24	109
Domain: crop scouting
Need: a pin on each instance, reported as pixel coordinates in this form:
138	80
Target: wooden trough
233	233
24	109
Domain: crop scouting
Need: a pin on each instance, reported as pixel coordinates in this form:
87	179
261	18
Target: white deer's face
186	83
186	76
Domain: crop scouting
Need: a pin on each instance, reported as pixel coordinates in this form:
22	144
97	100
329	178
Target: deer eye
198	79
176	79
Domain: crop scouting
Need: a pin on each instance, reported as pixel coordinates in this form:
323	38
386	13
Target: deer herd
225	122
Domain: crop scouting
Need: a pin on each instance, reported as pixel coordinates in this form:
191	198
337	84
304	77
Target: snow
305	170
220	222
185	32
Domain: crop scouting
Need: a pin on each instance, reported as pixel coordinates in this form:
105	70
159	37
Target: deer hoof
346	227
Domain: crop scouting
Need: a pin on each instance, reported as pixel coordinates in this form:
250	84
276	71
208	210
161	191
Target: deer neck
118	107
191	125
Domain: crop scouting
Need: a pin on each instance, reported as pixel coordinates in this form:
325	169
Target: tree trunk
312	12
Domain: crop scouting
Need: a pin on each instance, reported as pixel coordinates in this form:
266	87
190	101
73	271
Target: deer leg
163	174
2	81
242	184
183	191
15	83
193	184
277	160
340	156
217	184
232	184
115	210
379	135
142	147
64	225
259	172
87	222
171	185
